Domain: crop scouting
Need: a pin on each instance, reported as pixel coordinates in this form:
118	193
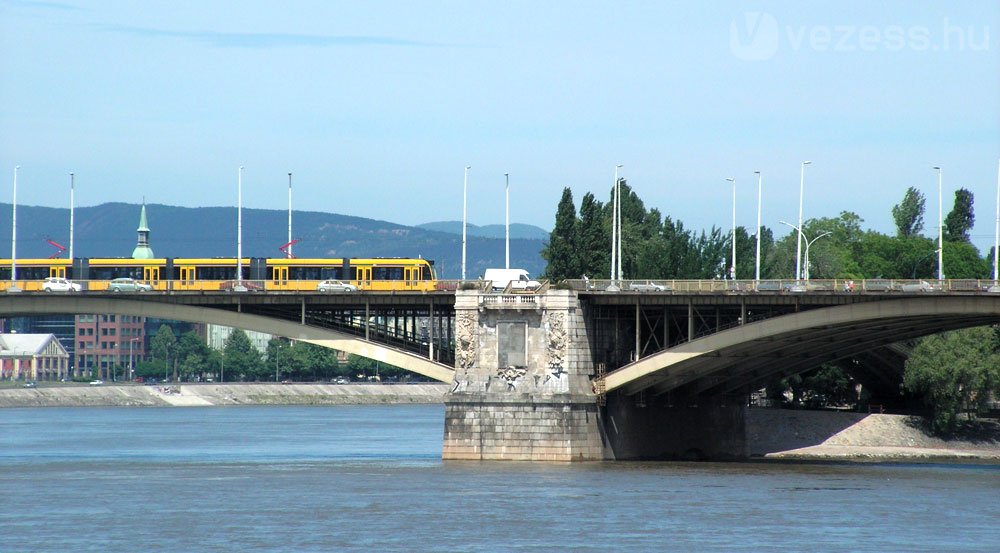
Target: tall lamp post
798	247
616	229
239	228
506	178
465	200
732	268
996	238
13	238
756	274
290	216
940	228
72	191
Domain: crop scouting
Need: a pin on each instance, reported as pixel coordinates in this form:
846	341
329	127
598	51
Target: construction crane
284	249
56	245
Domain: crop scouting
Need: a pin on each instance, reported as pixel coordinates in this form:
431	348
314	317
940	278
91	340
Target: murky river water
370	478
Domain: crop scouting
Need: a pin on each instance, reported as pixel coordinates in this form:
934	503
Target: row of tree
658	247
953	372
189	358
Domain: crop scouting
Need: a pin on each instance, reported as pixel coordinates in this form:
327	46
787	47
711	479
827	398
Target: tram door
280	277
151	275
57	272
364	277
187	275
411	275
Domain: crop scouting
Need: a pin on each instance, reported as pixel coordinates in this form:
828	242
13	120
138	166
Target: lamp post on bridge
940	228
465	203
756	274
802	236
732	268
798	247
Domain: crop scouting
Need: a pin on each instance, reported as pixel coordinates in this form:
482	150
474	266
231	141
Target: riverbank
771	433
842	436
206	395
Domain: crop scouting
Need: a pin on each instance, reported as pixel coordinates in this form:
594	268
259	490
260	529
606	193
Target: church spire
142	249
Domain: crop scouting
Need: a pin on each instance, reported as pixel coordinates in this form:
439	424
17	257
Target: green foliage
955	372
659	247
243	361
960	220
561	251
909	214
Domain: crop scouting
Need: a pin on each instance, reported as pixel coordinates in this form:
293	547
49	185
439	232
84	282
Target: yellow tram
220	273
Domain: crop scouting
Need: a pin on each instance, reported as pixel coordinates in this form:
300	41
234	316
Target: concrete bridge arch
733	359
33	304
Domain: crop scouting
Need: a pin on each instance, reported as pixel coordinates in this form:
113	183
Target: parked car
335	286
30	384
97	382
59	284
126	284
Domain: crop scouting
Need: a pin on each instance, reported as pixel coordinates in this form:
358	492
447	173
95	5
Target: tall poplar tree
909	214
959	221
561	252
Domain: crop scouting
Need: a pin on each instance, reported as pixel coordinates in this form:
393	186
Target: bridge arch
734	358
32	304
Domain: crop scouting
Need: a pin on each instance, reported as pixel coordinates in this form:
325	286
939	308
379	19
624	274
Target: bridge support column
522	387
640	427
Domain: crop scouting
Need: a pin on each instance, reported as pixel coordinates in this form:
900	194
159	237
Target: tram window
387	273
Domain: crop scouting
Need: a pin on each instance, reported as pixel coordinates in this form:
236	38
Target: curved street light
803	237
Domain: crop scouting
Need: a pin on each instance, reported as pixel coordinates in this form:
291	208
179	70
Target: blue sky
377	107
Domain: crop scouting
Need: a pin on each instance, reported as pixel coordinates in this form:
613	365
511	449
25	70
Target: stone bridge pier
523	392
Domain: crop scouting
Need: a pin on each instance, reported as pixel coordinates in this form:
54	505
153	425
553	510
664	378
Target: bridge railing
785	286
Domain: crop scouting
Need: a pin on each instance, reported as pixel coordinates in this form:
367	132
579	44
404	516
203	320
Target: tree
959	221
561	251
192	355
955	371
593	239
163	345
242	358
909	214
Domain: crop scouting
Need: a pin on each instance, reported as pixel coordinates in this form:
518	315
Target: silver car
126	284
335	286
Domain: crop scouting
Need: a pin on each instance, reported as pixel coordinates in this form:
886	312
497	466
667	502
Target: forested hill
109	230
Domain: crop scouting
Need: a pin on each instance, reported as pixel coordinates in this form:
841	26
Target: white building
216	335
32	357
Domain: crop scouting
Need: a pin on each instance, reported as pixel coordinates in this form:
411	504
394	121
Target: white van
518	279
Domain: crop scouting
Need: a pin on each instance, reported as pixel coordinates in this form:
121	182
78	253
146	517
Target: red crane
58	246
284	249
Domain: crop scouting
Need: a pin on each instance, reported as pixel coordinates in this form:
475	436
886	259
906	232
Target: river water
370	478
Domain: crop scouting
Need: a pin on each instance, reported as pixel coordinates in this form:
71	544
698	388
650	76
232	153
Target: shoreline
772	434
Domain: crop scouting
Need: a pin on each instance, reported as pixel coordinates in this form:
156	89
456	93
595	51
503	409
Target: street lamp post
506	178
940	228
756	274
615	229
798	247
13	237
239	228
802	236
465	200
72	191
996	237
810	243
732	268
290	216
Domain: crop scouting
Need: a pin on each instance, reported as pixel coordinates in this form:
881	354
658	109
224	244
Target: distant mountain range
517	230
109	230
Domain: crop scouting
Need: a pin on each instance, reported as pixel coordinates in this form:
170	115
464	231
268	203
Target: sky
377	107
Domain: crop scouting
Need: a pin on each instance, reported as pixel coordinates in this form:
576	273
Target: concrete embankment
192	395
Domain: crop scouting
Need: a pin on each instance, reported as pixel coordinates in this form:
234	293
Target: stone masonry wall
544	410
